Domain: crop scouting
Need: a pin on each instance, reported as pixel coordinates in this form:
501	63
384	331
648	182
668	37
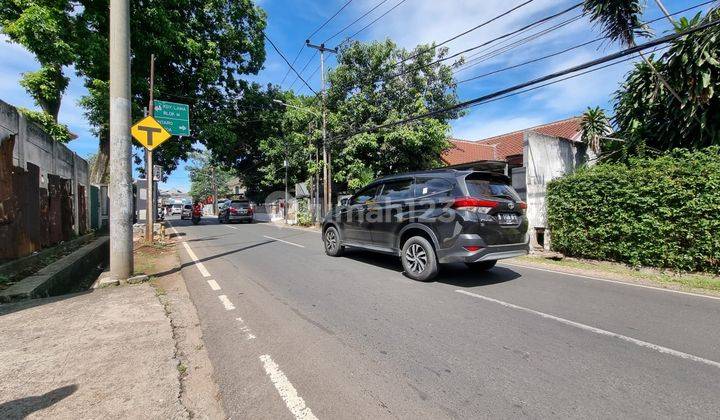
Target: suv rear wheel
418	259
331	239
482	265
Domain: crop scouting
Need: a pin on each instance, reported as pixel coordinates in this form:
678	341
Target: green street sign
173	116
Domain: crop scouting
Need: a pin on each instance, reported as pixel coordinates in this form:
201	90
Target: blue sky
412	22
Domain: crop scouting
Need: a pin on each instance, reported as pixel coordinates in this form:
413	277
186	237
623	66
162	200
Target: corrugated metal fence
32	217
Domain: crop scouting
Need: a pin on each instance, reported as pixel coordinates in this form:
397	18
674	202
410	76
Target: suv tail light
523	205
233	210
474	204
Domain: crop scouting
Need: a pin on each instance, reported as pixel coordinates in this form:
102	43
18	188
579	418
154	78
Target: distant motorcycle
196	214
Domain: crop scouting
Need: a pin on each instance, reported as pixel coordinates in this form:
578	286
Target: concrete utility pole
121	206
214	189
327	172
285	163
665	11
150	207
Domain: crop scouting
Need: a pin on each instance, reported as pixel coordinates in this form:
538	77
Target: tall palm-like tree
619	19
621	22
595	127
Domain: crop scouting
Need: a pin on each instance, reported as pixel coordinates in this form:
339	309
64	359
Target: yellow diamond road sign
149	133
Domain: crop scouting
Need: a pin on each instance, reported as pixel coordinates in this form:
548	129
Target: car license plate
508	219
242	211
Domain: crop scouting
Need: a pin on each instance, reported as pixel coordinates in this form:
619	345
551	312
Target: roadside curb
62	275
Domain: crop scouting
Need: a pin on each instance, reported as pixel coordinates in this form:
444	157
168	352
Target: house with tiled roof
532	157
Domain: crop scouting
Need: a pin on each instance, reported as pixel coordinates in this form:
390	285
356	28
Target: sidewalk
90	355
132	351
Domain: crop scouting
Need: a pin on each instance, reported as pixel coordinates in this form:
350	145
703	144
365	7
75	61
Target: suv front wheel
331	239
418	259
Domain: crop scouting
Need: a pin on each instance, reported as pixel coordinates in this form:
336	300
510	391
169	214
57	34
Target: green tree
647	114
202	50
595	125
380	83
236	129
620	20
204	171
47	30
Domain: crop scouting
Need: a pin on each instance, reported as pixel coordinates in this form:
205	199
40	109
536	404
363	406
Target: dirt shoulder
199	393
701	283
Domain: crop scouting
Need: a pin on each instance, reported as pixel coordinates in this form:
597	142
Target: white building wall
546	158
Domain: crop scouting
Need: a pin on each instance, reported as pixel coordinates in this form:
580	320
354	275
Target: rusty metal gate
31	217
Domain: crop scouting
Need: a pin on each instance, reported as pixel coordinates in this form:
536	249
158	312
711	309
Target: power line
488	54
524	28
293	63
329	19
468	31
310	36
288	63
373	22
530	61
355	21
303	69
572	48
564	79
539	80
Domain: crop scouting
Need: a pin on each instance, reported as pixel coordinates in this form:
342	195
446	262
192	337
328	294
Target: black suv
432	217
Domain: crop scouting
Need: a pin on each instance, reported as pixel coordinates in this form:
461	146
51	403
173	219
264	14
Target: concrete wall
546	158
35	146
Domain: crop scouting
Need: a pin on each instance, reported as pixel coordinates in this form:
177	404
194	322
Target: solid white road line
213	285
287	391
194	257
244	328
595	330
226	303
286	242
612	281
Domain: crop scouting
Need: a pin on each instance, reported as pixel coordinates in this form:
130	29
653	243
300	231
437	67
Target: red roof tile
467	151
502	146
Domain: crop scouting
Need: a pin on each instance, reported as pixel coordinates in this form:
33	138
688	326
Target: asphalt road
293	333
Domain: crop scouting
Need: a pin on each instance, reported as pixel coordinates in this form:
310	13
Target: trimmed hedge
662	212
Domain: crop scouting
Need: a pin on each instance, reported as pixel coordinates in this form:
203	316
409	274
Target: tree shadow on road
211	257
22	407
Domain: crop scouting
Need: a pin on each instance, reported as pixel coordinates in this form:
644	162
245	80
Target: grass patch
687	280
182	369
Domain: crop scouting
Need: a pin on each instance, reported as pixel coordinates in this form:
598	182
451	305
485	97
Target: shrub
662	212
58	132
304	218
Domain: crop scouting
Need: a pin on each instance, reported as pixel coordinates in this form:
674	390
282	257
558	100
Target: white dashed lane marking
599	331
213	285
287	391
226	303
200	266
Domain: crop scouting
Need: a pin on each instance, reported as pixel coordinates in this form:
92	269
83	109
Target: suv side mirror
344	202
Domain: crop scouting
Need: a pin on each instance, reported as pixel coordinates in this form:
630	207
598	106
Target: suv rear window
188	207
491	188
239	204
